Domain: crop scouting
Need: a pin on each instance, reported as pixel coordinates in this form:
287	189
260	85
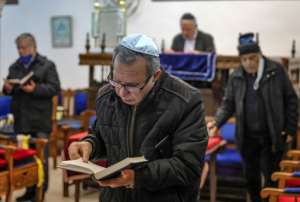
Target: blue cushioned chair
229	161
74	103
5	105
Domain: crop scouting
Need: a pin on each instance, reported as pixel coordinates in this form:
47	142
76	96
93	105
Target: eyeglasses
134	89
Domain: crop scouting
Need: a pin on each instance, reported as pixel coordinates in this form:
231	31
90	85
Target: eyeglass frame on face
130	89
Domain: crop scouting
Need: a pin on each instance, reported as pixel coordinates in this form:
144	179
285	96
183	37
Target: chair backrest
227	131
80	101
74	102
5	105
87	117
68	102
54	107
229	160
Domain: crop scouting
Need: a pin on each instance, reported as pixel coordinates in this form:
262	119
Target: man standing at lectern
192	40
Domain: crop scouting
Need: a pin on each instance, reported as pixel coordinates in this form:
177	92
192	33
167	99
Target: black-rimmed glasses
135	89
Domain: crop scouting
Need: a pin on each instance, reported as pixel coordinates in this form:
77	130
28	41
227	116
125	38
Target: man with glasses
145	111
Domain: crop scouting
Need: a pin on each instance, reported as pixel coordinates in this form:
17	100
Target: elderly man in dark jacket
264	103
145	111
32	101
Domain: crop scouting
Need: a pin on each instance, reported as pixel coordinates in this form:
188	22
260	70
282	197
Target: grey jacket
172	109
204	42
32	111
280	101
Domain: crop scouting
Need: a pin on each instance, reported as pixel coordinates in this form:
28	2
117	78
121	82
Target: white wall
276	21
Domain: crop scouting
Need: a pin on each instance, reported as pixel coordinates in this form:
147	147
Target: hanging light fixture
2	3
95	21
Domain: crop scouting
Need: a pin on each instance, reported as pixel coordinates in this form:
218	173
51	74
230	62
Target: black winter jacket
172	108
280	101
32	111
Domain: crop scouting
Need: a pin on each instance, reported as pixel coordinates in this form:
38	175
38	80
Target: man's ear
157	75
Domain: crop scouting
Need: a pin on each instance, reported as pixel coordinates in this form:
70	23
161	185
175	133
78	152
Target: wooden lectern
104	61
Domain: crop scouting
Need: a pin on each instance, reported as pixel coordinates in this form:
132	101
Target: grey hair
26	36
127	56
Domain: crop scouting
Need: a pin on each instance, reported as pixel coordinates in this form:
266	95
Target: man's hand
212	128
80	150
169	50
8	87
126	179
289	139
29	88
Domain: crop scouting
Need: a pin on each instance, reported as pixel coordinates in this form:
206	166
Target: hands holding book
126	179
84	149
27	87
8	87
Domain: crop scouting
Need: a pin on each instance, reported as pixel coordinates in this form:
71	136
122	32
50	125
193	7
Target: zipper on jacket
131	131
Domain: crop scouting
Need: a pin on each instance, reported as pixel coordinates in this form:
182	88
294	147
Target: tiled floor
54	193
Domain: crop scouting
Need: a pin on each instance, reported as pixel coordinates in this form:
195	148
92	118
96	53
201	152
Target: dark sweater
255	116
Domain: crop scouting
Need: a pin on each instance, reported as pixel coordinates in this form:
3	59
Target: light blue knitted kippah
140	43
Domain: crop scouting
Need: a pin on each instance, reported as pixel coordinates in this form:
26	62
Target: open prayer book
99	172
21	81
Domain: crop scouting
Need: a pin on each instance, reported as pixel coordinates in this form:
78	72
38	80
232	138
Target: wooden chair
71	122
214	146
70	178
4	173
284	192
74	178
281	195
288	180
53	135
24	174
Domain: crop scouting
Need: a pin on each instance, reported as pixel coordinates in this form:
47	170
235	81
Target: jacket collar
153	92
240	73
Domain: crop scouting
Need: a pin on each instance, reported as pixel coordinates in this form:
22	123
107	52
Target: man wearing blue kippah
145	111
261	97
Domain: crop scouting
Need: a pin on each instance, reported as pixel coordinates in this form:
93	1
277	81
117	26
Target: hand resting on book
80	150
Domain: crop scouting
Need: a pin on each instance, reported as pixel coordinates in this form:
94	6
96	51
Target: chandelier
130	5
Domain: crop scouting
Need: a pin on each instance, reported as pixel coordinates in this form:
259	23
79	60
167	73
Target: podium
224	64
93	61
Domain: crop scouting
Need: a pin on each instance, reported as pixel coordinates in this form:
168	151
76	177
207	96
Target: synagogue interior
68	94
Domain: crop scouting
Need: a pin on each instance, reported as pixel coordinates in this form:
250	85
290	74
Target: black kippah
247	44
188	16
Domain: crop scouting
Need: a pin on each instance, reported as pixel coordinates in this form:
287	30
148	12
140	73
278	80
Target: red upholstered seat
288	199
2	163
77	136
213	141
18	155
293	183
